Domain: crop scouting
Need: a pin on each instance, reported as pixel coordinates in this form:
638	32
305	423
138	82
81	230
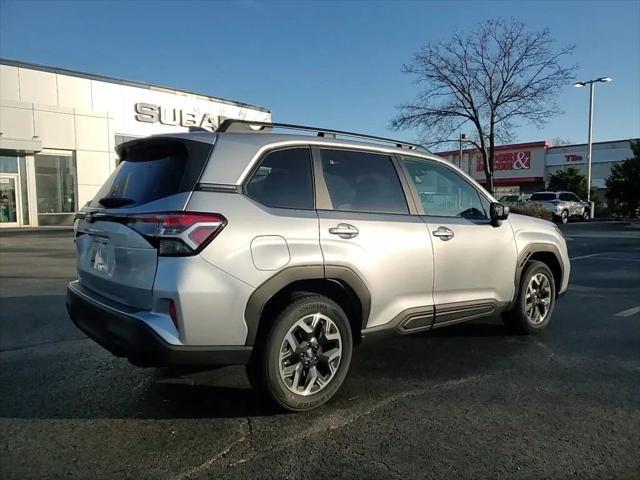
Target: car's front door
366	225
475	261
569	203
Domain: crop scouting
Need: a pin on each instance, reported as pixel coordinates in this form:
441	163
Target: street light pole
463	137
589	147
591	84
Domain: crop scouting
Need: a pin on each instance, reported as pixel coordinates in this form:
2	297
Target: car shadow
79	380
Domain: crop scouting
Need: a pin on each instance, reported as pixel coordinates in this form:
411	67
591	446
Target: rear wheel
536	300
304	358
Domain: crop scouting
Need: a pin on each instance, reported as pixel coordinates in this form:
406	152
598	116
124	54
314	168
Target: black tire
517	319
586	215
264	368
564	217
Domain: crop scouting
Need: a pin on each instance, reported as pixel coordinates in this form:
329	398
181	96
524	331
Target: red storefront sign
508	161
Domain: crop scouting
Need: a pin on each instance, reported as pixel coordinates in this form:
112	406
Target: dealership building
59	128
525	167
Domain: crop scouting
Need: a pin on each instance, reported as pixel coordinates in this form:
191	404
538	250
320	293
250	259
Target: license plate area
102	258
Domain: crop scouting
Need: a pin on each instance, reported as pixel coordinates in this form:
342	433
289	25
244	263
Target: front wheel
586	214
536	300
304	358
563	217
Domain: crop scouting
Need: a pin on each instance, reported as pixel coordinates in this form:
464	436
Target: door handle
443	233
344	230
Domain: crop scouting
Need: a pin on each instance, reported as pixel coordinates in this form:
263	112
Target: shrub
532	210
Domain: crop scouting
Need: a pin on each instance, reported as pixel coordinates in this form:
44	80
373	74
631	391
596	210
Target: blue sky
331	64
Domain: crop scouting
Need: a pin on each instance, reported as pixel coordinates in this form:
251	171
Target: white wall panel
16	122
107	97
38	87
9	86
74	92
56	130
93	167
91	133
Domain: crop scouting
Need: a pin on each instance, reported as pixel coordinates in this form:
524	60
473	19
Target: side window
362	182
574	197
444	193
566	197
284	180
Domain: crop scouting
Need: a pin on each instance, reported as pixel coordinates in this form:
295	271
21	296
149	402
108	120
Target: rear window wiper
116	202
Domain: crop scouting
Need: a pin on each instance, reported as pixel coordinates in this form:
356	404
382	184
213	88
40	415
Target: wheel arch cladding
550	260
545	253
340	284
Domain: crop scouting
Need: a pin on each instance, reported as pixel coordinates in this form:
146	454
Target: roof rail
321	132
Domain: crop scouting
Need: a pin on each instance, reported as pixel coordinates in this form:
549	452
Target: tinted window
542	197
362	182
444	193
145	174
283	179
567	197
153	169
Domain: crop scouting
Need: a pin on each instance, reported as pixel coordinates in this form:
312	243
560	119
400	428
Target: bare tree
490	79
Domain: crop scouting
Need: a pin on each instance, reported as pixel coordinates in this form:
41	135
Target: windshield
543	197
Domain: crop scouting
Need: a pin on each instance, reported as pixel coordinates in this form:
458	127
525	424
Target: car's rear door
367	226
475	261
114	258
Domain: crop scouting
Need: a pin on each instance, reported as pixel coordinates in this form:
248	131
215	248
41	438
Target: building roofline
513	146
592	143
120	81
543	143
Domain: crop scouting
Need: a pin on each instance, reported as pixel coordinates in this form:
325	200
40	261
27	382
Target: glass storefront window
8	163
22	168
12	162
56	181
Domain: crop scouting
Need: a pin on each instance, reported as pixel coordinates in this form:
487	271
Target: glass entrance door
10	214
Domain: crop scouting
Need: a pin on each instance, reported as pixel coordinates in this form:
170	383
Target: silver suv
282	252
562	205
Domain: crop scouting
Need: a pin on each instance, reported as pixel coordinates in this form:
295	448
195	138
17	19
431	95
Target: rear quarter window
283	180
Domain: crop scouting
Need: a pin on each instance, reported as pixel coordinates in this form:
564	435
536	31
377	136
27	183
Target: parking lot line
585	256
620	259
628	312
597	256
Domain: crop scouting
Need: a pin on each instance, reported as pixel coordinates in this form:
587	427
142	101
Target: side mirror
498	212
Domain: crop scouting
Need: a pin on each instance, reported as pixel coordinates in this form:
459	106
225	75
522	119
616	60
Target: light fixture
579	84
605	79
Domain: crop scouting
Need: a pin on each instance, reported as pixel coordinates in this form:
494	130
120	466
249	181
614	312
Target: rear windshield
537	197
150	171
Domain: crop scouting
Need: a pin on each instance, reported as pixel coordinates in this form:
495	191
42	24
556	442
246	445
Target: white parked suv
562	205
283	251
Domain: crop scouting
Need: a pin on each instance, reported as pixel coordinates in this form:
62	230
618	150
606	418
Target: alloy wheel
538	299
310	354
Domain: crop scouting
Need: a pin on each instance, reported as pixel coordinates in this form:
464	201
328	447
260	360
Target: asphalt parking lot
468	401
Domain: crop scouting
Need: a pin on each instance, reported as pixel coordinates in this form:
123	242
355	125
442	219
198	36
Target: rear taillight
180	233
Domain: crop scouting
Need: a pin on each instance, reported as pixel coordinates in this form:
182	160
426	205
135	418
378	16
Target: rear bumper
124	335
